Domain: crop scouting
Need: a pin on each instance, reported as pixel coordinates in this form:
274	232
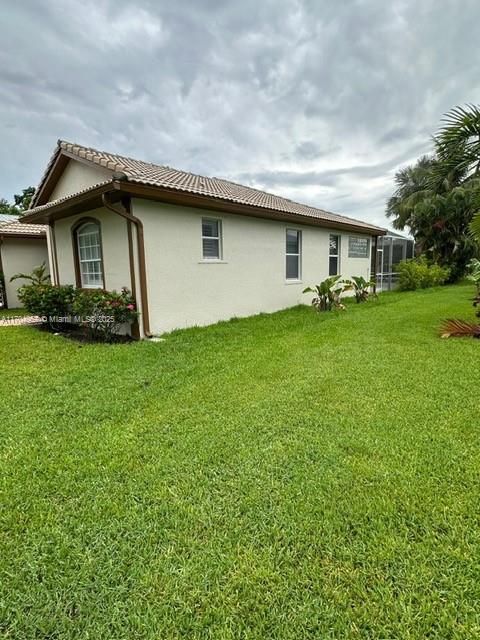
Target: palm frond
457	143
475	226
460	329
38	276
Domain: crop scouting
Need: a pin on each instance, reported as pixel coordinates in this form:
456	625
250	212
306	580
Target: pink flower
130	307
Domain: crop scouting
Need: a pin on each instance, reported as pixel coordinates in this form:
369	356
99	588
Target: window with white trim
211	239
334	255
293	254
89	249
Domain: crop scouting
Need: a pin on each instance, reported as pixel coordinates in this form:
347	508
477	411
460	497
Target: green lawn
281	477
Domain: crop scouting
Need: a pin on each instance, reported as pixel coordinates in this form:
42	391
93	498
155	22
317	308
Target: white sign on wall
358	247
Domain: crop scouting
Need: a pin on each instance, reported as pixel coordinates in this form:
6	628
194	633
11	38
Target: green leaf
475	226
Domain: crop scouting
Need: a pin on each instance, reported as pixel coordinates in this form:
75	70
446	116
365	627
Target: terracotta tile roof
146	173
18	228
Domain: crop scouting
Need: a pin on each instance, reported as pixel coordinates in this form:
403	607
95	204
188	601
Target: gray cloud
320	102
329	177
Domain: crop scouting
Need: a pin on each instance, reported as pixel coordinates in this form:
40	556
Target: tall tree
20	204
22	200
7	208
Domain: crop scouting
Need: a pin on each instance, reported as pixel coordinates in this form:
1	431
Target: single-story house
22	248
193	250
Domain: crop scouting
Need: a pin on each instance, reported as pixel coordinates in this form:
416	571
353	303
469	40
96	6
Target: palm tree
458	149
412	186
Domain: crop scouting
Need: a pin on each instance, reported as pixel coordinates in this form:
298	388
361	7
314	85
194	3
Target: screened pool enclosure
392	249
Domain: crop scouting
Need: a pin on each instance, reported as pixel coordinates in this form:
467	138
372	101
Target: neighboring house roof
22	229
7	217
166	178
395	234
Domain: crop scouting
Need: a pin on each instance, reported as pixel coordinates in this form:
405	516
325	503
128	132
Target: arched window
88	254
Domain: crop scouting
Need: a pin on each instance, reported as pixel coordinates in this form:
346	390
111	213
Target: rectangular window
293	252
334	255
358	247
212	239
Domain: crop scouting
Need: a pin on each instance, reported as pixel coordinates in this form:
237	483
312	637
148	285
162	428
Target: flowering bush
102	313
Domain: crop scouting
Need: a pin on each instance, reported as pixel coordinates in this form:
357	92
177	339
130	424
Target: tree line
438	198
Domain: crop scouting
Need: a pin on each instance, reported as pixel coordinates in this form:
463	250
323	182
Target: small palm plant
327	294
38	276
361	288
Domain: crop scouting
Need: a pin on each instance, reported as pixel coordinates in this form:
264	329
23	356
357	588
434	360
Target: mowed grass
286	476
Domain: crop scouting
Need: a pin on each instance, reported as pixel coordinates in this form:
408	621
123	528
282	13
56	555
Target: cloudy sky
317	100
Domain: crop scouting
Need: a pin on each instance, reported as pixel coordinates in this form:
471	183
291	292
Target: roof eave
27	236
92	199
78	203
178	197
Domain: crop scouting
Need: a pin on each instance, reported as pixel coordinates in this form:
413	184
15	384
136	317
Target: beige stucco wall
76	177
114	247
184	290
20	255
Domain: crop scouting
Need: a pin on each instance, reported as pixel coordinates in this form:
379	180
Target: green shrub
47	300
418	274
437	275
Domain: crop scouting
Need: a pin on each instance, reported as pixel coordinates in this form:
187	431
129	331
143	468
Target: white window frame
334	255
82	261
298	255
219	237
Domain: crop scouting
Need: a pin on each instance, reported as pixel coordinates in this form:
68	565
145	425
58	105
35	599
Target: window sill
212	262
91	288
293	281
